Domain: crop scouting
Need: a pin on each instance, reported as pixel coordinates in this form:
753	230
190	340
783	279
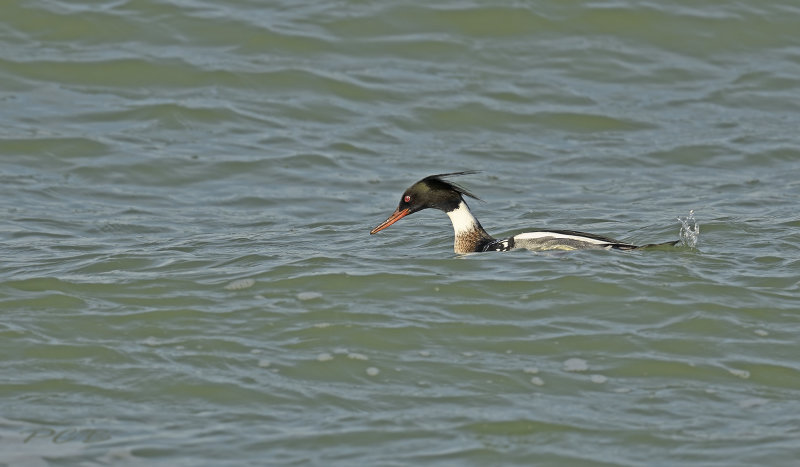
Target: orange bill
396	216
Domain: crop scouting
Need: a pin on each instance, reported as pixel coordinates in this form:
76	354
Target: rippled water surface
187	278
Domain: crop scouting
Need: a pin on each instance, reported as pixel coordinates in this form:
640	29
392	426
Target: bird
438	192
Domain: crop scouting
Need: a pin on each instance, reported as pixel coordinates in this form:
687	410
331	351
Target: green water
187	278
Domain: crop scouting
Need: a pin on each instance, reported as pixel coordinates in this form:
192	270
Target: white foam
576	364
744	374
372	371
240	284
690	230
152	341
599	379
305	296
754	402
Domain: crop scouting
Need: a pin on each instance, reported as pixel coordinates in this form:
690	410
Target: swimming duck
436	191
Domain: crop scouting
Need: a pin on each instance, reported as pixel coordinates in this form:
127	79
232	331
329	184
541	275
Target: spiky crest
440	178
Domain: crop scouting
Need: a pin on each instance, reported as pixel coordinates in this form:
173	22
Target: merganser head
430	192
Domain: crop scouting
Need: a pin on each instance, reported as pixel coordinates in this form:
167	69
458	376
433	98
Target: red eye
407	199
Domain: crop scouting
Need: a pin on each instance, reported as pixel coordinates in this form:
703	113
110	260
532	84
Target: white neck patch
462	219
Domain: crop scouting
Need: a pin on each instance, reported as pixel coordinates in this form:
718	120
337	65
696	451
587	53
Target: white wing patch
498	245
545	234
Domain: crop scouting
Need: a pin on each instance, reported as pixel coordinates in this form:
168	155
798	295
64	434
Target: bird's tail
651	245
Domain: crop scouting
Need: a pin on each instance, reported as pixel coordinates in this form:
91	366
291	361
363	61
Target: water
690	230
187	189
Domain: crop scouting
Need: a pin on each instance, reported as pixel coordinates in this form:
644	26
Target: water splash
690	230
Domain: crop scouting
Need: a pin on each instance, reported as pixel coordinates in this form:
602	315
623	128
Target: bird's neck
469	234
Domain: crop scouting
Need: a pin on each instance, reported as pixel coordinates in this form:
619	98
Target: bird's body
470	237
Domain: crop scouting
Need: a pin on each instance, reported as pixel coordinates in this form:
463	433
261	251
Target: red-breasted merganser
438	193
